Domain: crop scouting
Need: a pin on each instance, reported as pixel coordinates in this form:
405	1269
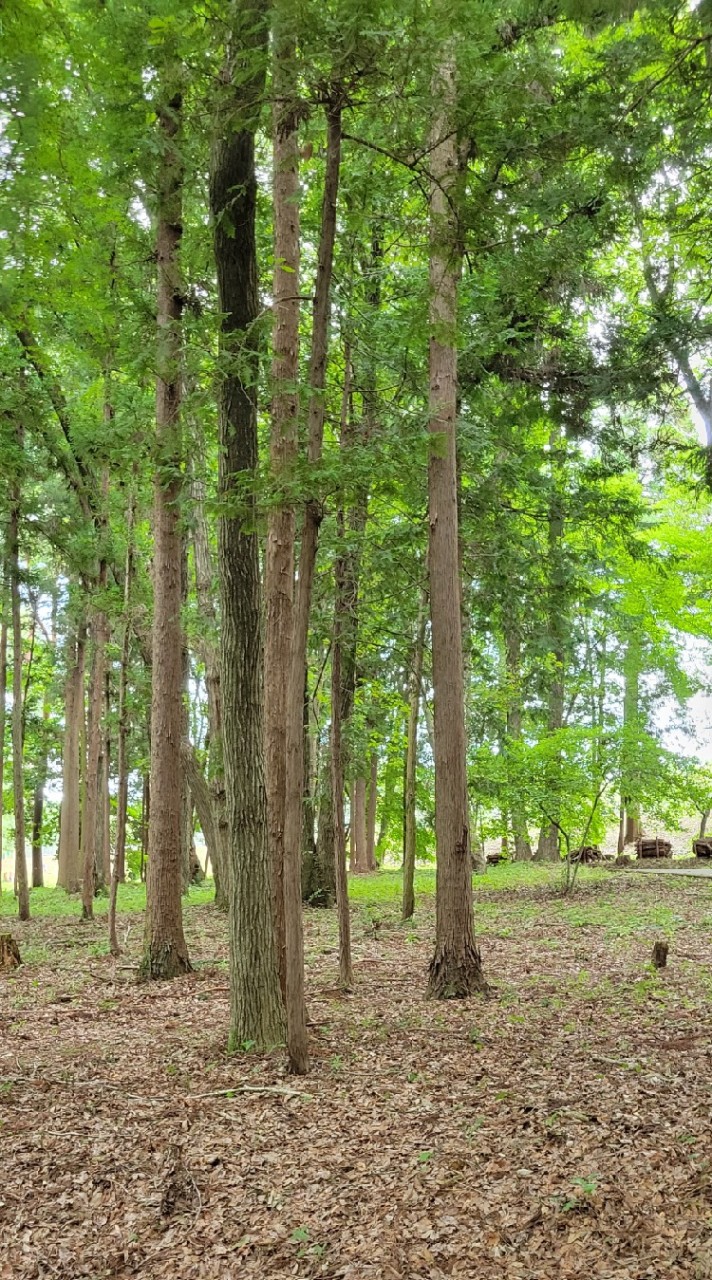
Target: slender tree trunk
318	876
294	732
337	814
513	662
704	818
358	821
371	813
209	652
411	765
256	1005
632	663
3	709
279	561
37	817
165	954
456	968
122	765
548	846
18	781
91	809
69	874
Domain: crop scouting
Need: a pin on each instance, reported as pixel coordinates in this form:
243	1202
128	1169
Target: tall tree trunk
37	817
411	764
210	654
632	662
548	846
294	730
319	869
165	954
513	663
256	1005
69	855
279	560
3	708
18	780
91	809
122	764
358	822
371	813
456	968
337	813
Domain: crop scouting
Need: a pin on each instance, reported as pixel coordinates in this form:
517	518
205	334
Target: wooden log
9	953
702	848
588	853
653	847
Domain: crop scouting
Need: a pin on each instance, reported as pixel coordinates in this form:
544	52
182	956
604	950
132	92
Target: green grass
380	890
132	897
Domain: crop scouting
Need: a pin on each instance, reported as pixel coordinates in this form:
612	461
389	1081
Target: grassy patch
132	897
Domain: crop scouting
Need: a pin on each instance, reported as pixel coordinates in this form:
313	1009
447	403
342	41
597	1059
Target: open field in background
560	1128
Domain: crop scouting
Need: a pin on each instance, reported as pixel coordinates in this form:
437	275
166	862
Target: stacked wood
494	859
587	853
702	848
9	952
653	847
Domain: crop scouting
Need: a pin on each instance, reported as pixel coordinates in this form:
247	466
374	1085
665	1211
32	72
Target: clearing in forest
559	1129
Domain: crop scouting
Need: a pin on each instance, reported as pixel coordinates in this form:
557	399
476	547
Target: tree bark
122	766
337	815
91	809
371	813
69	856
279	559
37	817
513	663
3	709
411	765
548	845
294	731
165	954
257	1015
358	823
456	968
632	662
18	780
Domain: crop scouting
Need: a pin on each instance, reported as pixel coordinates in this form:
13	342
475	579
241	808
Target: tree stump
660	954
9	953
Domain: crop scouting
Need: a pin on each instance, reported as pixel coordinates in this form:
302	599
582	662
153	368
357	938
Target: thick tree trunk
257	1015
456	968
294	733
279	560
18	780
69	856
165	954
411	765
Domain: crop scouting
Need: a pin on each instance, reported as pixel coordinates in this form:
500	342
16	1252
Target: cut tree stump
660	954
653	847
9	953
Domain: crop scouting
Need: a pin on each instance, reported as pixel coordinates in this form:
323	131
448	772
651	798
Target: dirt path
704	873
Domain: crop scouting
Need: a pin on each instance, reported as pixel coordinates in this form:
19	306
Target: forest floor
560	1128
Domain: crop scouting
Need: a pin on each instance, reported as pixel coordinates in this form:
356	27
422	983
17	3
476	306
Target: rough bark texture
294	731
18	781
257	1014
456	969
69	857
165	954
279	559
411	765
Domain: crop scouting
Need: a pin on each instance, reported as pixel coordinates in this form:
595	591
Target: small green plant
424	1157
